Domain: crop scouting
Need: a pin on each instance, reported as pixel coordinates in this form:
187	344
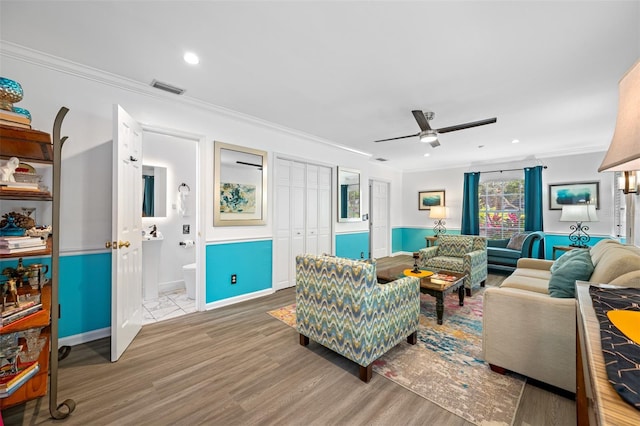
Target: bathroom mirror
348	195
240	186
154	191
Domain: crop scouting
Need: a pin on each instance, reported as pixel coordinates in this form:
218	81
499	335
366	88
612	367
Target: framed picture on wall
570	194
428	199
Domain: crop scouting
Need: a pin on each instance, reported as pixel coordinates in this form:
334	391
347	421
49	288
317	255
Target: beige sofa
527	331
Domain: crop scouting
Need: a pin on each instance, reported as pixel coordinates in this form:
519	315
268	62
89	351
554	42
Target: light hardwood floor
239	366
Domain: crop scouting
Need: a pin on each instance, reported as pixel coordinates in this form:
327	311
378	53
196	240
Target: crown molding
55	63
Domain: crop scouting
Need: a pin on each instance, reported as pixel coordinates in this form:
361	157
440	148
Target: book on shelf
10	382
14	117
14	124
7	250
22	242
15	316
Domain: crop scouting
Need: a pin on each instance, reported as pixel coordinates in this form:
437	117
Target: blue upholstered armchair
465	254
340	305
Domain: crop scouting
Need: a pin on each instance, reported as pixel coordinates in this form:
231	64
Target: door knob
123	244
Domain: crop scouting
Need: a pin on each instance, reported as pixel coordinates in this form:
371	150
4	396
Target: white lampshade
579	213
624	150
439	212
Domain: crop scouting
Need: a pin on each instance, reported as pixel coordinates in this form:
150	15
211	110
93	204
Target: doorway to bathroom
170	214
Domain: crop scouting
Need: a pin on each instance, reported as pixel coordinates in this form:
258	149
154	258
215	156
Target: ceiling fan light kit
429	135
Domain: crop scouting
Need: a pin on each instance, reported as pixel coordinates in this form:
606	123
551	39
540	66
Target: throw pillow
566	257
563	279
517	240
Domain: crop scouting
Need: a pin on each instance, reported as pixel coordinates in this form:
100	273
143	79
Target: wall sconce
628	182
439	213
579	213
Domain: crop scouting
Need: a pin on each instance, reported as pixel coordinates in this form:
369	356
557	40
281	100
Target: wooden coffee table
431	285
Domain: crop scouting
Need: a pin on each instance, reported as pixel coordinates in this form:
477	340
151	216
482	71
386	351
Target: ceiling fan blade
421	119
400	137
435	143
467	125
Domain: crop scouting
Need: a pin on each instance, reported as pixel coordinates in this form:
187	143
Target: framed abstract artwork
428	199
573	193
240	186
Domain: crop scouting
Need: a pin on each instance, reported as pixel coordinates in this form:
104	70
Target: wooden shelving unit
37	147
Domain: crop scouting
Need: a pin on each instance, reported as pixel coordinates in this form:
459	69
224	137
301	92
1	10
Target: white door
379	219
126	233
324	210
282	252
311	223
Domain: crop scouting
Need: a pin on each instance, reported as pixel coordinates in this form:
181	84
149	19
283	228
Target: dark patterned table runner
621	355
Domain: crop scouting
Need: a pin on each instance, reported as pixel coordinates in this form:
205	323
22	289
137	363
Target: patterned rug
445	366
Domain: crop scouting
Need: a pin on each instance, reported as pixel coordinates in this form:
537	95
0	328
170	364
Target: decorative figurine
6	171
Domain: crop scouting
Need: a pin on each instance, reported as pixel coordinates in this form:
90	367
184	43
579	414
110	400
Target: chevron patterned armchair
340	305
465	254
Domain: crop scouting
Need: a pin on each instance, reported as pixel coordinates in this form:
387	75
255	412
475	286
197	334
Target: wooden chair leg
497	369
412	339
468	292
304	340
482	283
366	373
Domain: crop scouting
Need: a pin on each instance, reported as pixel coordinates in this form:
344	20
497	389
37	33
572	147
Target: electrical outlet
234	278
186	229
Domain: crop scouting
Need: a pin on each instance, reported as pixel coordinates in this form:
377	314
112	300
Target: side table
431	240
563	249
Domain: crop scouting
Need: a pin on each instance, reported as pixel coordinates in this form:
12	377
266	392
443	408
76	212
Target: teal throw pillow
566	257
576	267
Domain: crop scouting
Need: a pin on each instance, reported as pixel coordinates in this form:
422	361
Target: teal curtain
533	198
344	201
147	196
470	205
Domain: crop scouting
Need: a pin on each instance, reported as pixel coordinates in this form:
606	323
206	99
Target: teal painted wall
563	240
412	239
84	291
352	246
250	261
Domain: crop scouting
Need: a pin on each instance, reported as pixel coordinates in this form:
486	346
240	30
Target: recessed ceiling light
191	58
427	154
515	141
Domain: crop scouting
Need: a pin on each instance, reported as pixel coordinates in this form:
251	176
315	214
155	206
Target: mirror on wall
240	186
154	191
348	195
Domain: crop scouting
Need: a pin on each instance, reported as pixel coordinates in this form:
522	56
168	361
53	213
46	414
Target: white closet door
324	210
311	243
379	219
297	215
282	253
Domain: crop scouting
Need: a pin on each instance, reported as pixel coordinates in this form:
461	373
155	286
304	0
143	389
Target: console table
597	402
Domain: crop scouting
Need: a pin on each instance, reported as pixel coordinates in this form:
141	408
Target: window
501	208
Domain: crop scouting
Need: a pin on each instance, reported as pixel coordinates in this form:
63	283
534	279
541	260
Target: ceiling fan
429	135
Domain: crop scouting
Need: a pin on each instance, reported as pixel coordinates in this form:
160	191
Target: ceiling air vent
381	159
167	87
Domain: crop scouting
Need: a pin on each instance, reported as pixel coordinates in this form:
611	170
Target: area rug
445	366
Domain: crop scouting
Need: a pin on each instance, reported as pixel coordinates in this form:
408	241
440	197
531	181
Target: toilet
189	274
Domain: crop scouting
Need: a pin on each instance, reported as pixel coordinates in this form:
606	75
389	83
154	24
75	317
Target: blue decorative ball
22	111
10	91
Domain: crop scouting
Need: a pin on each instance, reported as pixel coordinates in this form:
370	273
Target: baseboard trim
89	336
238	299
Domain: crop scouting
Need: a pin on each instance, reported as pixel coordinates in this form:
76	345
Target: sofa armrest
541	264
527	245
476	258
530	333
497	243
426	254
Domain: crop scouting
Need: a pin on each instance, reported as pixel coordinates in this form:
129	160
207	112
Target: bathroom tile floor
169	304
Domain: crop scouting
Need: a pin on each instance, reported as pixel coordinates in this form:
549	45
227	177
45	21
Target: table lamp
439	213
579	213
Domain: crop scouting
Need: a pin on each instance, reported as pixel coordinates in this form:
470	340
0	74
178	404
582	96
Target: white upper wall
574	168
50	83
